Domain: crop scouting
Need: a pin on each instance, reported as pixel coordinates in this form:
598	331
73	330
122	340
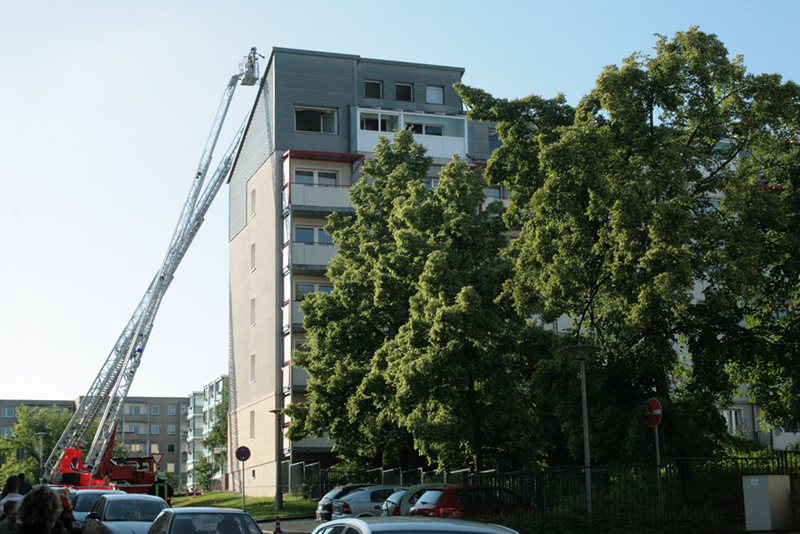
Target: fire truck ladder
109	390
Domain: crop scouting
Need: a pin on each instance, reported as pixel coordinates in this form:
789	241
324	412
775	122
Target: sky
105	108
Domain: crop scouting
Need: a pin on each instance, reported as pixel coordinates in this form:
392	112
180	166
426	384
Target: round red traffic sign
654	416
242	453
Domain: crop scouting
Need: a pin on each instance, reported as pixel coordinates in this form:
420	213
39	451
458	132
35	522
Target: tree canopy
661	216
416	351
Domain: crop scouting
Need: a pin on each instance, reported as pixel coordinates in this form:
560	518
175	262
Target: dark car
204	520
325	504
481	500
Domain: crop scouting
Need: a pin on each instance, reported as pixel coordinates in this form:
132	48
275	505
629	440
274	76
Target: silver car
82	502
204	520
403	525
129	513
362	502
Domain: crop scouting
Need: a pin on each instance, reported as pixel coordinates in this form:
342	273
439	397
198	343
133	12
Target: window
252	312
378	122
170	447
170	429
252	425
426	129
153	448
154	430
434	95
6	432
734	421
315	120
252	203
135	447
492	192
171	410
252	257
404	92
170	468
252	368
310	177
494	140
8	412
301	290
373	89
134	409
154	410
132	428
312	236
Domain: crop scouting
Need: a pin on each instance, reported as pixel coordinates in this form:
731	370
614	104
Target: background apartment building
316	117
201	417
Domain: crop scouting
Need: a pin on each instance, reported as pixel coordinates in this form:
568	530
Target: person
161	488
11	490
9	523
39	511
65	519
24	485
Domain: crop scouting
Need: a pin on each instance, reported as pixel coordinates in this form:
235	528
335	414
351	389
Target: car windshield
332	493
133	511
222	523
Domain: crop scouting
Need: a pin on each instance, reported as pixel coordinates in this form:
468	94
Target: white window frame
320	236
316	176
330	126
431	92
387	122
171	410
171	429
9	412
155	410
380	89
6	432
316	288
155	429
410	90
252	312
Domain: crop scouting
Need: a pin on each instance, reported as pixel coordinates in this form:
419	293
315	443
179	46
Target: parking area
289	526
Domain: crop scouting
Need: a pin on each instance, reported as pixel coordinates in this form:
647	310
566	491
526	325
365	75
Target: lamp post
41	448
580	353
278	460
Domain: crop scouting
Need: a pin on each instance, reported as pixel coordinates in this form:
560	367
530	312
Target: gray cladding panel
313	81
258	144
419	76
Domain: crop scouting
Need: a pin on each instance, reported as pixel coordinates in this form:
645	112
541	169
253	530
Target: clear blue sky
105	108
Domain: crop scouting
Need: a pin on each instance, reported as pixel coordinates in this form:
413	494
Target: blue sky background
105	108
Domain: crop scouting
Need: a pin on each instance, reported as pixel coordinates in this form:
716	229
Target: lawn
258	507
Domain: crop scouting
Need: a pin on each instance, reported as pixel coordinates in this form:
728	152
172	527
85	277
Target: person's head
12	484
161	477
21	477
40	507
10	509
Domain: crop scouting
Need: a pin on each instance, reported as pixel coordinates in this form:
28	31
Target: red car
481	500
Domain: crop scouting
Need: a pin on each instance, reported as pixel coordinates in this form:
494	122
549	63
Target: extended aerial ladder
107	394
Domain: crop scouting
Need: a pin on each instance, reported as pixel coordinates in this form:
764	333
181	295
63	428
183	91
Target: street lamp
580	353
278	459
41	448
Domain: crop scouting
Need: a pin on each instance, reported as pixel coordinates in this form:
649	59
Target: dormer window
434	95
373	89
404	92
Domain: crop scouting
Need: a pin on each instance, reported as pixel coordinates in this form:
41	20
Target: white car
403	525
129	513
362	502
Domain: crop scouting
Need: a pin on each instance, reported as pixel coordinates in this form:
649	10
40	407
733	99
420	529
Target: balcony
442	135
316	197
312	256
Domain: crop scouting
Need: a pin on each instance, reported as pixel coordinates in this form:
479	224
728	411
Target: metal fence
687	494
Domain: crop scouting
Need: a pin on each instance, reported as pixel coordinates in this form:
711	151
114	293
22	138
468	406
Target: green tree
416	351
30	421
209	466
648	194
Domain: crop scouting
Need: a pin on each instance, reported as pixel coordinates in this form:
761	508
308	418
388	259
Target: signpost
242	454
653	418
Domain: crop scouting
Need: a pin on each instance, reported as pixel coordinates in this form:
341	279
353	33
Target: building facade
316	118
148	426
201	417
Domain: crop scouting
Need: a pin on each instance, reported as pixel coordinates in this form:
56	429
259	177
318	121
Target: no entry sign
654	417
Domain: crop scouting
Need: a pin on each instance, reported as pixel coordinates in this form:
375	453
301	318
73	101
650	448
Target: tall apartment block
316	118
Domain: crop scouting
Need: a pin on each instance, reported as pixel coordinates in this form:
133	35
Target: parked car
401	501
82	502
325	504
362	502
404	525
200	520
128	513
450	501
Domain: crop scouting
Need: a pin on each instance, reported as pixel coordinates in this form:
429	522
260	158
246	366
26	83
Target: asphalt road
290	526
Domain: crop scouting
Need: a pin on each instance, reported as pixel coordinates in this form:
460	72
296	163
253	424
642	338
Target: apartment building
201	417
148	426
316	118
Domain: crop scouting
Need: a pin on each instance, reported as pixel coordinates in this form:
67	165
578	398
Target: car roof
131	497
410	524
97	491
205	510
